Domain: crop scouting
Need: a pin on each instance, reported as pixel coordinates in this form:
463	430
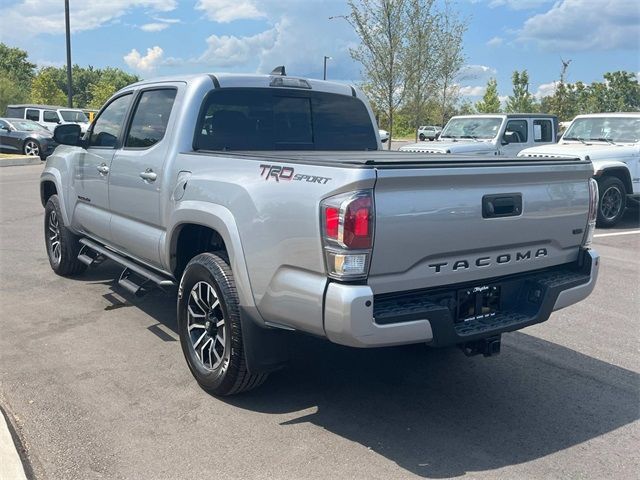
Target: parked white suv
495	134
612	142
49	116
428	132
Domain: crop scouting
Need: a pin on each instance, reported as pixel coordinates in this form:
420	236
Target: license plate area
477	303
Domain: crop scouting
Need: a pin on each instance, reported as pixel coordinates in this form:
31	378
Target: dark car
25	137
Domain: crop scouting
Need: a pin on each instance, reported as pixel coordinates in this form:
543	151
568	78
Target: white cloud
585	25
47	15
476	72
518	4
154	27
225	11
230	51
546	89
475	91
298	35
147	63
495	42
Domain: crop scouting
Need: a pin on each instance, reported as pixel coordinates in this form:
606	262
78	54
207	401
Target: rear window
283	119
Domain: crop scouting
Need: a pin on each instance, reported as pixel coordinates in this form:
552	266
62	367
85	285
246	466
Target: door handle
103	169
148	175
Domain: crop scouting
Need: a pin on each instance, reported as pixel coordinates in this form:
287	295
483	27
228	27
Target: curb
19	160
10	463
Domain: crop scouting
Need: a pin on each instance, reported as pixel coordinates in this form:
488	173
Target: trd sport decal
287	173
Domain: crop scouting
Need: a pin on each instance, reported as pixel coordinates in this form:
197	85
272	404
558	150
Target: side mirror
504	141
68	134
4	127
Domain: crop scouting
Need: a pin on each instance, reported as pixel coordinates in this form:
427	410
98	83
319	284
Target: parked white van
49	116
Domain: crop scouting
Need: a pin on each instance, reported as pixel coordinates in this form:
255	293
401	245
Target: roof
611	114
230	80
509	115
50	107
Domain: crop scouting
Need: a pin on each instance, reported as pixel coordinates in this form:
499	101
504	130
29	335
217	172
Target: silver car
25	137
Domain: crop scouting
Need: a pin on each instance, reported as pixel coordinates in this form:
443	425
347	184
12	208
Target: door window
150	119
50	116
108	126
542	131
516	131
33	115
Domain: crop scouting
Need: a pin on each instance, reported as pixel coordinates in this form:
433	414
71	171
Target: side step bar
132	270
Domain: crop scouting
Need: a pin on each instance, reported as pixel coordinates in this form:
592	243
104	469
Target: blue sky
163	37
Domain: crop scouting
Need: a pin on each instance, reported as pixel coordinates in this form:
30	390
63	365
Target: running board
132	270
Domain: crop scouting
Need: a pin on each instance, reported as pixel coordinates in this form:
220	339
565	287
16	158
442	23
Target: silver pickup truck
268	201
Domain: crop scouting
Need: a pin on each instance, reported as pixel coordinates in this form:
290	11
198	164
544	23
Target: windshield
74	116
605	129
27	126
472	128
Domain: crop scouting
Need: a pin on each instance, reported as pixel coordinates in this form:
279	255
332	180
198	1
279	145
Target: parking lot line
615	234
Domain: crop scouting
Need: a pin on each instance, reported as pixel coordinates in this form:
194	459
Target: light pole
68	34
324	76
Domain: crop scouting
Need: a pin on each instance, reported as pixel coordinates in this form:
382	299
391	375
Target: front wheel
613	199
209	327
31	147
62	245
422	137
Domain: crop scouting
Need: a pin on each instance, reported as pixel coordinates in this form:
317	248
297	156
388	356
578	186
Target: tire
612	201
422	137
213	349
31	147
62	245
431	139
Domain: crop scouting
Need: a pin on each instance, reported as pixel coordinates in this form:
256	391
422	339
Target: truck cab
612	142
491	134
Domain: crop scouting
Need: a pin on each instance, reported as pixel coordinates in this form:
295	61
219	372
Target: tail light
593	214
347	234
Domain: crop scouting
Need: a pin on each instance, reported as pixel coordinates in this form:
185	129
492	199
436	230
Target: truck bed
387	159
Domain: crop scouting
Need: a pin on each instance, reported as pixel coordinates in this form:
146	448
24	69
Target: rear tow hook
488	347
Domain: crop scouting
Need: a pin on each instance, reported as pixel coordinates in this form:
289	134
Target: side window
542	131
33	115
50	116
106	129
516	131
150	118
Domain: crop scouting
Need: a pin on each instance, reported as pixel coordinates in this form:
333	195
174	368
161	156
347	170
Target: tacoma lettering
501	259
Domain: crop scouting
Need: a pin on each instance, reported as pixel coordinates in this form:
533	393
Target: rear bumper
353	316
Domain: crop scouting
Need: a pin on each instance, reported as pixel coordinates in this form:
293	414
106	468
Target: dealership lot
95	384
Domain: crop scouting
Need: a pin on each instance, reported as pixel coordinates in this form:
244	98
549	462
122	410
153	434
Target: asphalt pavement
94	384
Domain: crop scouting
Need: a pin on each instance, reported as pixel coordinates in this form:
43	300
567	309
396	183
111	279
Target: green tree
382	28
45	88
521	101
623	92
10	92
14	64
449	51
100	93
490	102
16	73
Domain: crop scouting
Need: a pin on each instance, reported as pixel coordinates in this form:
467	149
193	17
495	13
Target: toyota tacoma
268	202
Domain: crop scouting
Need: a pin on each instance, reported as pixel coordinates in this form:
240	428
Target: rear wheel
31	147
62	245
613	199
209	327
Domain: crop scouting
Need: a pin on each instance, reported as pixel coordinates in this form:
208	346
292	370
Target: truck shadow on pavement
435	412
439	414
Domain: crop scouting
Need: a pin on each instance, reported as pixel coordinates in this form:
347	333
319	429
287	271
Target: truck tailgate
441	224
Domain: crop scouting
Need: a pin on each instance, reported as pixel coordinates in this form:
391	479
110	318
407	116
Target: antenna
279	71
